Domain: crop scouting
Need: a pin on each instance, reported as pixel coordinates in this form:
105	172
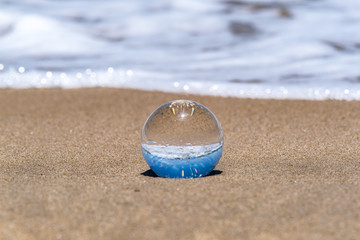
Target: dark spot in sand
136	190
239	28
246	81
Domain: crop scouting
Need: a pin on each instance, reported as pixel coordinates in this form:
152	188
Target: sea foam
257	49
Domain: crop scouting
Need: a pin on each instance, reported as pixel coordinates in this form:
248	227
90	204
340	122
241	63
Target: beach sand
71	168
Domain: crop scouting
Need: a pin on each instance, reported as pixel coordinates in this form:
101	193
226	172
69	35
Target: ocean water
184	161
305	49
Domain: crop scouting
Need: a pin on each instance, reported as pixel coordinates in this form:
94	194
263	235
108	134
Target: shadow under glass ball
182	139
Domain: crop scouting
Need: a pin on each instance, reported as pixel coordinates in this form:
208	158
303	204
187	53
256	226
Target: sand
71	168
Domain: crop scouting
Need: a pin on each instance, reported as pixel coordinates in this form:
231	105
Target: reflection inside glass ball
182	139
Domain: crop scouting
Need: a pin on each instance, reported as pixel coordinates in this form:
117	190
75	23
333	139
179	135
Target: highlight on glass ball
182	139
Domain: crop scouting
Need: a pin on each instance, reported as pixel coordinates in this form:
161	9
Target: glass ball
182	139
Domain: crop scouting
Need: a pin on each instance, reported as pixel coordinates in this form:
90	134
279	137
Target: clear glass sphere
182	139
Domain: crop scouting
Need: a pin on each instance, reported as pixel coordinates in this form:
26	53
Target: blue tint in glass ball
182	139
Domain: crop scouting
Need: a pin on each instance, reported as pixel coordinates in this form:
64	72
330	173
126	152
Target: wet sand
71	168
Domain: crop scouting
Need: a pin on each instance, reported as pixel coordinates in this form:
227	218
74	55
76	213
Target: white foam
181	151
184	46
42	37
127	78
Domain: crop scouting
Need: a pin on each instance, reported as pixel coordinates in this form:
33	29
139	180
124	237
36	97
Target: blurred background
307	49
